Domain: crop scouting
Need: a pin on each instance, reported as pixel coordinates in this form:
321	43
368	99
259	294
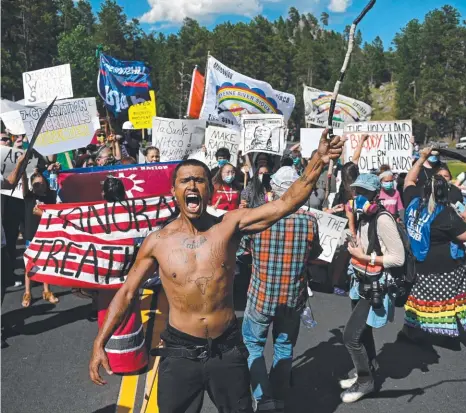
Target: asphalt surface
44	369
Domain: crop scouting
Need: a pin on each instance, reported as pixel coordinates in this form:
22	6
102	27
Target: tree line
427	59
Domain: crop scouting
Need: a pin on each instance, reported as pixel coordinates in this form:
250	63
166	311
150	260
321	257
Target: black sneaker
357	391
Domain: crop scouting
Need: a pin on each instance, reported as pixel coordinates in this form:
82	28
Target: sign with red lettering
92	245
389	143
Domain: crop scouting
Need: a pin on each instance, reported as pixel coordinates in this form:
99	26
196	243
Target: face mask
222	162
38	187
361	205
296	161
388	185
260	176
229	179
433	159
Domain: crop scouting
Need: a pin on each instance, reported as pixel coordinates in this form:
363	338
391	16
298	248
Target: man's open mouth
193	202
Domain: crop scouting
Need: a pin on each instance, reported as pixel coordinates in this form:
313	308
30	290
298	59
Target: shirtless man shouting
195	257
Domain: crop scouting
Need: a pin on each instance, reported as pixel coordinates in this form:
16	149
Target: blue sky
384	20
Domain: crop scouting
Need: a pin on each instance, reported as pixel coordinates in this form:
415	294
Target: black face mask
39	188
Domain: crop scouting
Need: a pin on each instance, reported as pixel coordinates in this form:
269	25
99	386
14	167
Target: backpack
404	276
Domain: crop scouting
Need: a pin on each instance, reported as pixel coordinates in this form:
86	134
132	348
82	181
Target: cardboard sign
347	110
13	122
263	133
9	160
216	138
177	138
141	115
331	228
44	85
70	125
389	143
310	138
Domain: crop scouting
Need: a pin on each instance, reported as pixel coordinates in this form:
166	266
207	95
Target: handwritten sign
70	125
141	115
216	138
331	228
13	122
177	138
263	133
389	143
310	138
9	157
45	84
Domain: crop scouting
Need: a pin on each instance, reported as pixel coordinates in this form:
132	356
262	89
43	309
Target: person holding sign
195	257
226	194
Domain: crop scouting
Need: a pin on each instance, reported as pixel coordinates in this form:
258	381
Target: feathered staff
340	81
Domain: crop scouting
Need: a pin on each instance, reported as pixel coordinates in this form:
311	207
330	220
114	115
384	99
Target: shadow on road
317	371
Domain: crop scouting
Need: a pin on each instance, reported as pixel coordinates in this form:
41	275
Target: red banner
140	181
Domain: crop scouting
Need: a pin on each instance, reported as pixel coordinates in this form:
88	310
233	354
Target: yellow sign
141	115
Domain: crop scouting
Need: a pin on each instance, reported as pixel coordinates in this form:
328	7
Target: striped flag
92	245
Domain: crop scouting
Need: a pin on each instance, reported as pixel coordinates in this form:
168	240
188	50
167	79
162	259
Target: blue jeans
285	333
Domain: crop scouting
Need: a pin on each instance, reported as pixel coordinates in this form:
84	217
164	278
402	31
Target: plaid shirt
279	258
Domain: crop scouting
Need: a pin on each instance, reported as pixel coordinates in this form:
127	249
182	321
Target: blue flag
122	83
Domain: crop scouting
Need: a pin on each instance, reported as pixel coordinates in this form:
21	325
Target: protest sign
120	81
389	143
44	85
85	184
13	122
9	158
141	115
70	125
347	110
216	138
92	245
331	229
263	133
177	138
229	94
310	138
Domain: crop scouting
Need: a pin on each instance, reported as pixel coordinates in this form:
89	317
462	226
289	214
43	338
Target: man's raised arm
261	218
144	266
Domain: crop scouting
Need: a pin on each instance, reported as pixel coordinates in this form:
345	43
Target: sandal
27	298
48	296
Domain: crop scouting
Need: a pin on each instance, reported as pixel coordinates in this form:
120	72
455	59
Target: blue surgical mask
222	162
229	179
388	186
433	159
296	161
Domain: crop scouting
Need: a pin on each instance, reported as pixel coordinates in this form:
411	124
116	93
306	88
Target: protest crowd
107	208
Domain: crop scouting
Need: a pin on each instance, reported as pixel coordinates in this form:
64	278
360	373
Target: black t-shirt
31	221
455	195
444	229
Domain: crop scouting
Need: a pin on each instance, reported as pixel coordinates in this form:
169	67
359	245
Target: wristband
373	257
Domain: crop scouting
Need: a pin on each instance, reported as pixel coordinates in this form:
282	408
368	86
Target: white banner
177	138
9	160
263	133
216	138
310	138
70	125
317	105
229	94
44	85
331	229
389	143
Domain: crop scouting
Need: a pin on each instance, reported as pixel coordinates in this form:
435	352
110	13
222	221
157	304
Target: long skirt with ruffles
437	301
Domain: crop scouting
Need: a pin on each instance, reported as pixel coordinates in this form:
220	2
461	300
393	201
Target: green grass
456	168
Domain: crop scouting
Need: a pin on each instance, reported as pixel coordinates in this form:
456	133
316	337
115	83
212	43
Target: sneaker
347	383
309	292
357	391
18	283
340	292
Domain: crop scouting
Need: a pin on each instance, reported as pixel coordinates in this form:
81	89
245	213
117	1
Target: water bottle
307	318
53	181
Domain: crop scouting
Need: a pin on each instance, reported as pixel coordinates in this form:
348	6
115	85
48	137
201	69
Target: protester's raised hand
329	150
425	152
98	358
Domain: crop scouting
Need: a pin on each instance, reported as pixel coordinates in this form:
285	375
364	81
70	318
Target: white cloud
176	10
339	6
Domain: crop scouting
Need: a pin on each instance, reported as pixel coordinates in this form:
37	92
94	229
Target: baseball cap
128	125
367	181
284	178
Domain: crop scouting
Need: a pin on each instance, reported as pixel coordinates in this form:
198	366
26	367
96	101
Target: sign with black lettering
177	138
92	245
331	229
9	160
216	138
389	143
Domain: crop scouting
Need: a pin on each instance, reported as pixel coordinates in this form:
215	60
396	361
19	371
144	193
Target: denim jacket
378	317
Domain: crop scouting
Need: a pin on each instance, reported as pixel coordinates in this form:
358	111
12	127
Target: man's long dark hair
349	173
435	192
114	190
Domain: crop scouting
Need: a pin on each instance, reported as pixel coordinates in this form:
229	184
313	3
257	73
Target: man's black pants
223	373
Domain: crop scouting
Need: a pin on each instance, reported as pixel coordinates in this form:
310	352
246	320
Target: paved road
45	367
